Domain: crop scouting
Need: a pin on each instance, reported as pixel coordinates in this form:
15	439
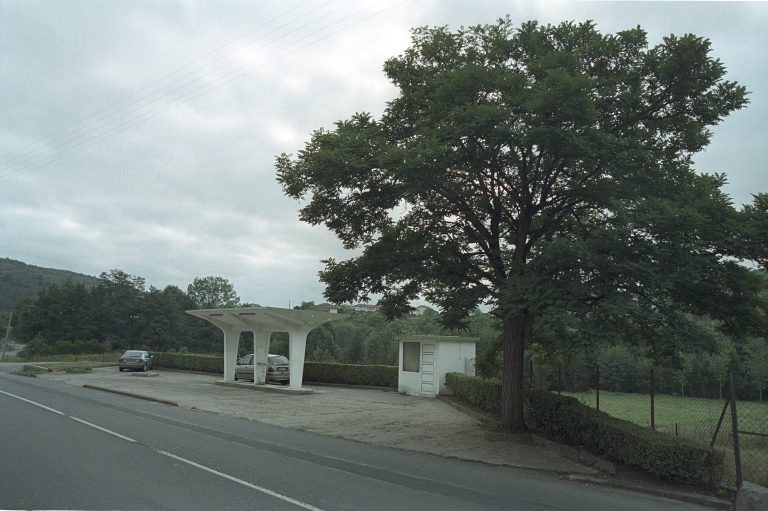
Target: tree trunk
512	375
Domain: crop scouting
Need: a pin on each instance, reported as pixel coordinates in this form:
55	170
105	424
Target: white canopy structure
262	321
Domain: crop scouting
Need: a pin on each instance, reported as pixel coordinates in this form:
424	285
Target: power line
164	77
143	117
73	137
31	156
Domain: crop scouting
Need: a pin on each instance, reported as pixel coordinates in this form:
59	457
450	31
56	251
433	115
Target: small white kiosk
425	359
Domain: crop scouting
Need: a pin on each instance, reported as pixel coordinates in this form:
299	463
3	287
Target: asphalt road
68	447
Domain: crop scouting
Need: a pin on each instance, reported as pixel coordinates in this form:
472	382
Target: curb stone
281	389
344	385
695	498
131	394
32	367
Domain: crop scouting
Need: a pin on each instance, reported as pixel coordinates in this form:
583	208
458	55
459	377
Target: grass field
696	419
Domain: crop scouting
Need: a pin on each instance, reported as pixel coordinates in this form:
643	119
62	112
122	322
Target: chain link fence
749	422
706	421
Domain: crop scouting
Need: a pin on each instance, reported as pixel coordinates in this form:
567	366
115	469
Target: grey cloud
192	192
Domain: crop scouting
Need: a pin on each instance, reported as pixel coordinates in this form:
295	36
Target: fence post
559	376
720	421
653	408
597	389
736	449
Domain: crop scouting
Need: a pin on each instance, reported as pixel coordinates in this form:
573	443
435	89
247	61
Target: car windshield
279	361
133	354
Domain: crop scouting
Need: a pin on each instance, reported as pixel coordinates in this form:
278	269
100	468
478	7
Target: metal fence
749	435
706	421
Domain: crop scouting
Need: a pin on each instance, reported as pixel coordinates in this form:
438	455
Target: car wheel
235	378
283	382
144	369
121	369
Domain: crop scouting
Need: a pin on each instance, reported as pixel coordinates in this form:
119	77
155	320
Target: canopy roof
274	319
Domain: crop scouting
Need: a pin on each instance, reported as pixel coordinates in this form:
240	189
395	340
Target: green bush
569	421
484	393
40	347
351	374
202	363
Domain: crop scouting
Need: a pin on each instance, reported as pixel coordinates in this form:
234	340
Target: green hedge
571	422
202	363
319	372
482	392
38	347
350	374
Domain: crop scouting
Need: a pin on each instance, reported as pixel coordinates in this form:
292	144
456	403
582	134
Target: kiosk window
411	357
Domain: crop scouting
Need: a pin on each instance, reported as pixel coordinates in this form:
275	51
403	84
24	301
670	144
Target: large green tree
545	171
212	293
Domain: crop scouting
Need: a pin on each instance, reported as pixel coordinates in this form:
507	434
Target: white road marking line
81	421
36	404
240	481
179	458
118	435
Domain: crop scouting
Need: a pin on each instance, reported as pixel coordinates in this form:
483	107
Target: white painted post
260	351
231	341
297	346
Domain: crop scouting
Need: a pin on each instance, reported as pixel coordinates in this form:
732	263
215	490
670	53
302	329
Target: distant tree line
121	313
368	338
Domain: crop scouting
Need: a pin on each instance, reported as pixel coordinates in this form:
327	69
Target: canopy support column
260	352
231	342
297	347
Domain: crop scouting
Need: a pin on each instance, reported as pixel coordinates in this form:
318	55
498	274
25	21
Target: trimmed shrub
571	422
202	363
351	374
665	456
485	393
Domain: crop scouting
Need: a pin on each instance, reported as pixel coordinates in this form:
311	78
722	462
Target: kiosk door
428	369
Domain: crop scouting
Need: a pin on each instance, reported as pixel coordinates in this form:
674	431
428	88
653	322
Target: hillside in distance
19	280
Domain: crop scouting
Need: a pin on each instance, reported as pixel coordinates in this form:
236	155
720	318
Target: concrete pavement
370	416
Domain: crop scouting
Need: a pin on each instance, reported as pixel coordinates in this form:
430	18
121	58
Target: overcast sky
191	191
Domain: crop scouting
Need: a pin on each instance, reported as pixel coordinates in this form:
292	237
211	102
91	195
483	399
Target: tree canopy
545	171
212	293
116	311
